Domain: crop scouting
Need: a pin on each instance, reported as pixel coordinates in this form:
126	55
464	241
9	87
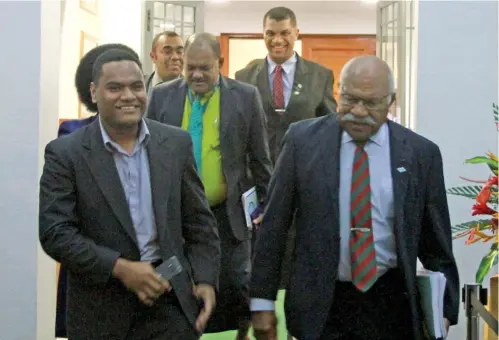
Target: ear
297	33
393	99
221	61
93	90
152	55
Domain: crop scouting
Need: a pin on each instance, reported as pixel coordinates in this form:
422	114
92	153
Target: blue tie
196	129
196	124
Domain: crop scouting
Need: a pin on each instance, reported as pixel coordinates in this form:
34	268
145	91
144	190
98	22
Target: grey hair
204	40
347	68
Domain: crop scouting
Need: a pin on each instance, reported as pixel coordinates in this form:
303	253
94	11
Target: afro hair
83	76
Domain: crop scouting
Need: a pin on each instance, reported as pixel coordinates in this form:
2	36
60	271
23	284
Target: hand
264	325
206	293
447	325
258	220
142	279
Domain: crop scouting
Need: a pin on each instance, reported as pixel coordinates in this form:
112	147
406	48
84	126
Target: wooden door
335	51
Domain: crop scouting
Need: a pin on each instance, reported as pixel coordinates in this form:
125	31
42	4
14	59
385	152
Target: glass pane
169	11
157	30
178	29
168	26
178	13
188	31
188	14
159	10
158	23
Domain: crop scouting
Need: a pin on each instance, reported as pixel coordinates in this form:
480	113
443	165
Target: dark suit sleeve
59	233
202	244
271	242
435	245
258	148
328	104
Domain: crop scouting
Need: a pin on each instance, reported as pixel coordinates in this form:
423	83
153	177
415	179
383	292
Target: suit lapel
226	107
301	78
331	165
400	154
262	83
103	169
158	153
176	104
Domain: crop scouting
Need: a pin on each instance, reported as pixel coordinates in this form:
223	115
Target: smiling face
120	94
168	57
280	37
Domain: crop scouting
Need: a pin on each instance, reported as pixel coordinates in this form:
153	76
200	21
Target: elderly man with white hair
368	197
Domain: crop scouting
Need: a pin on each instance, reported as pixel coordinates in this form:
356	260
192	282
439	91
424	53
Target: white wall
74	21
29	97
314	17
457	81
109	25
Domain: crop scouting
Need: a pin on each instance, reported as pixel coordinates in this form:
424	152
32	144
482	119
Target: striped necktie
362	252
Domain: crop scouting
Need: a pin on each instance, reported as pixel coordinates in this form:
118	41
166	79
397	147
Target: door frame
224	39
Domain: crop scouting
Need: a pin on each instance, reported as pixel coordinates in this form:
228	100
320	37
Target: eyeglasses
370	104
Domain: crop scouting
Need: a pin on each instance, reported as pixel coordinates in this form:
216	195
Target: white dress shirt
288	76
378	151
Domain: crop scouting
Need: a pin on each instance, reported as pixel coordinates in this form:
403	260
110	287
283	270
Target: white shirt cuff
261	305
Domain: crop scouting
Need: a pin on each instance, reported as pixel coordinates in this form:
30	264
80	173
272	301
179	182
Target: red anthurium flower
482	209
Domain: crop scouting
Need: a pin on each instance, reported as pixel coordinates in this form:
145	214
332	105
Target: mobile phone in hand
169	268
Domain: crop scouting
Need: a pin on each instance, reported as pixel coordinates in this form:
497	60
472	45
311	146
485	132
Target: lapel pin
299	86
296	93
401	169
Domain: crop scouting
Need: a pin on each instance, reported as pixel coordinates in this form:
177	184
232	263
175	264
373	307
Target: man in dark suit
227	124
167	55
83	79
117	197
292	88
370	200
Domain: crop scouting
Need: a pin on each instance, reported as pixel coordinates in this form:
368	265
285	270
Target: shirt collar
379	138
143	137
287	66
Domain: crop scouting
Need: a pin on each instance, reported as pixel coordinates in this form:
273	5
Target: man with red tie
292	88
368	198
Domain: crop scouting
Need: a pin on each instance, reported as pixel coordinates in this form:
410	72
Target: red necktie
362	252
278	88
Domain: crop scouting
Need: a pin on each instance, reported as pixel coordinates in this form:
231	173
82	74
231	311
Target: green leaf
461	228
470	191
482	159
486	264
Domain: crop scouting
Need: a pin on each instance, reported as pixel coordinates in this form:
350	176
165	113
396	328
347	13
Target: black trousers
233	294
381	313
165	320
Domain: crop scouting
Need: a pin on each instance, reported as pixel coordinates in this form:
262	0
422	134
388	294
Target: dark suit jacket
69	126
65	128
315	96
84	223
307	177
243	139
